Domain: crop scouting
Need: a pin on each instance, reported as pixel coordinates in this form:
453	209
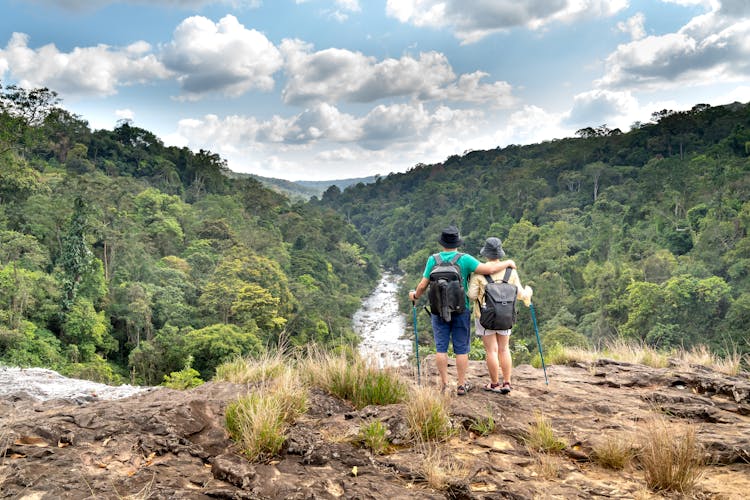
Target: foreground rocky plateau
167	444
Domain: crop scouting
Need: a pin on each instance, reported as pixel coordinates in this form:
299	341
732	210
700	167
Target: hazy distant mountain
304	189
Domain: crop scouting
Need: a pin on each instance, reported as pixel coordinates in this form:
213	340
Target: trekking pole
416	340
538	341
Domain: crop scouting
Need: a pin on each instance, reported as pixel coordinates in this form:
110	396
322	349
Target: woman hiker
495	341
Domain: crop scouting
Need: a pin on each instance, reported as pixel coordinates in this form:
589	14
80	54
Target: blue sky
331	89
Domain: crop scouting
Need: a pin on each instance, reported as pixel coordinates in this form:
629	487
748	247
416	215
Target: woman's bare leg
506	362
491	348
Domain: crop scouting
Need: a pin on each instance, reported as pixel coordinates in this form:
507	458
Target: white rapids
382	326
42	384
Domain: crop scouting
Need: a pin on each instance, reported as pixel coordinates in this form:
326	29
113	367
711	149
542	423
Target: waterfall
382	326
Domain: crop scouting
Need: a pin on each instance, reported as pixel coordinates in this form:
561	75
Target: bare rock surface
166	444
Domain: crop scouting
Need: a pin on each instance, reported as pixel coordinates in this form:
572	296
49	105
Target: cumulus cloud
83	5
344	75
382	139
634	26
598	107
95	70
220	57
472	21
321	122
124	114
711	47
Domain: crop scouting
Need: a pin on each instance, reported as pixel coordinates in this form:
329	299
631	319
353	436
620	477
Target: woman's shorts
482	331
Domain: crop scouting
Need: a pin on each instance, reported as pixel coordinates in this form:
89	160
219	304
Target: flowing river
382	326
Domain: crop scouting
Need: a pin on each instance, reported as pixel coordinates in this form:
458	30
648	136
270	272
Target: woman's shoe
506	388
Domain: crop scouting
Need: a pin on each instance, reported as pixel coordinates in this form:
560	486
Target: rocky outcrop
172	444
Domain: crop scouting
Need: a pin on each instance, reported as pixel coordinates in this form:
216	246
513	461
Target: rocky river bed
382	326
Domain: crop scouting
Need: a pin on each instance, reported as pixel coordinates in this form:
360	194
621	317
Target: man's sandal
463	389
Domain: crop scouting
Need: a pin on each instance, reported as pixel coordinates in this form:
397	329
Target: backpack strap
506	276
456	257
438	259
488	278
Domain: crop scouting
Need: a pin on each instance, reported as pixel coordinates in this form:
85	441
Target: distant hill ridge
305	189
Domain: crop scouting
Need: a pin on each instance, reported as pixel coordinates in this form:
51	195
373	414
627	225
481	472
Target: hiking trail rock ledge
167	444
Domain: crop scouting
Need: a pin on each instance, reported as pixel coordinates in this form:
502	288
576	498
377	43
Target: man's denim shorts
458	330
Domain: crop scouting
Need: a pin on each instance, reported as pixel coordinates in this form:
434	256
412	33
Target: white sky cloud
124	114
343	75
220	57
95	70
711	47
472	21
634	26
80	5
599	107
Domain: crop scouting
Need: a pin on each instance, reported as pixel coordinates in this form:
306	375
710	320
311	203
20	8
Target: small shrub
374	437
614	452
187	378
555	355
427	415
541	437
477	351
671	459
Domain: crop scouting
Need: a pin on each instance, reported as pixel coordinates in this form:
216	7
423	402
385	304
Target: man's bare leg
462	365
441	360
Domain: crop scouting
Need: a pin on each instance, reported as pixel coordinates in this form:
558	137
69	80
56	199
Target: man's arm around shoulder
494	267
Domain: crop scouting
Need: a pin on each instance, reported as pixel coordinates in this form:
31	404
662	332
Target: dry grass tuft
671	456
427	415
731	364
440	467
639	353
614	452
634	352
547	466
248	370
6	436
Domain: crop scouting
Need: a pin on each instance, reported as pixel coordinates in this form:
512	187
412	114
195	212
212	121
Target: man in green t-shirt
458	329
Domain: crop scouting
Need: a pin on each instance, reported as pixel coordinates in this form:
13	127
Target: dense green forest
125	260
640	236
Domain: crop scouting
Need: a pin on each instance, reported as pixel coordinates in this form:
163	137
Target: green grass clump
540	436
259	421
350	377
483	425
374	436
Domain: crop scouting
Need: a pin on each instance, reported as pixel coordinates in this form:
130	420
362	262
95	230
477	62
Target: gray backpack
498	312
